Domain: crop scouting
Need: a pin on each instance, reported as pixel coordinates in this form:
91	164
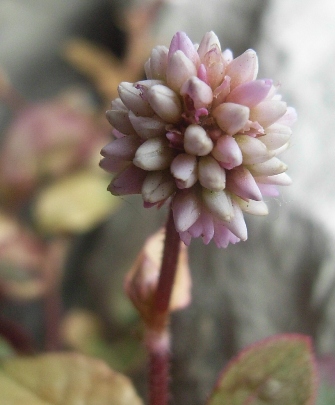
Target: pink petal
250	93
129	181
241	183
122	148
111	164
181	42
227	152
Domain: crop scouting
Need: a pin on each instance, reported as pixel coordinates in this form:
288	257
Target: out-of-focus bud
141	281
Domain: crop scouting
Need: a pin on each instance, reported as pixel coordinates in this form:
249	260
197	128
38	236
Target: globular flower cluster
203	132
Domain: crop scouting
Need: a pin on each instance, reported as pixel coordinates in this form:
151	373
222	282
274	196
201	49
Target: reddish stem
168	267
157	339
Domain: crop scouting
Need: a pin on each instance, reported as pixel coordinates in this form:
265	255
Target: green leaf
279	370
63	378
76	203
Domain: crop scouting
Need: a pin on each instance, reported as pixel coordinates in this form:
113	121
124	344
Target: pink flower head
203	132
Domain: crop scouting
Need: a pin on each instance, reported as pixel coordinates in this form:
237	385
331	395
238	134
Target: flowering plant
203	131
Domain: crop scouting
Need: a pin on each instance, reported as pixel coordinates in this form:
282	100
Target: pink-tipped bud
241	183
154	154
250	93
165	102
198	91
243	69
231	117
227	152
196	141
128	181
181	42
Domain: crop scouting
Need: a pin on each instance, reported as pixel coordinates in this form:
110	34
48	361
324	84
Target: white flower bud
179	69
186	209
154	154
231	117
267	112
131	97
196	141
147	127
281	179
155	67
209	41
271	167
253	150
276	136
165	102
218	203
184	170
211	174
120	121
252	207
157	186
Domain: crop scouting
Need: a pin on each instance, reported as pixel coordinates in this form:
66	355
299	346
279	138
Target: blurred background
66	243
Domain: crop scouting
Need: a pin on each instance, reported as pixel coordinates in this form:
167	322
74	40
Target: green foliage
276	371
